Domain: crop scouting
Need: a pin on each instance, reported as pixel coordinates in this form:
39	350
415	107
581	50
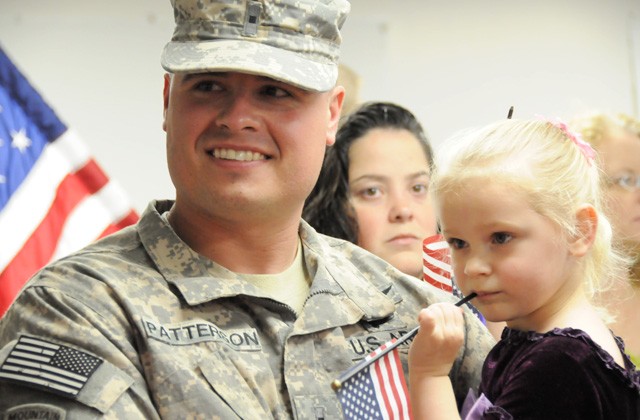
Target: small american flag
436	260
378	391
437	269
40	364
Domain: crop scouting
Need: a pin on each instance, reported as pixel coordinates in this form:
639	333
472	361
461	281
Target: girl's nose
476	266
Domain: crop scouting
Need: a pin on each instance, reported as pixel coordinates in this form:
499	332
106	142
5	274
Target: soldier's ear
335	108
165	99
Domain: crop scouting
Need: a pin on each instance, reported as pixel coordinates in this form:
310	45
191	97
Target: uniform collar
193	275
354	290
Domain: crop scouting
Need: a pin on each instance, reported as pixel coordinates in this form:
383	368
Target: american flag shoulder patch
41	364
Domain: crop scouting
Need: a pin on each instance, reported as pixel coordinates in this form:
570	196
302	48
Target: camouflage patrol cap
294	41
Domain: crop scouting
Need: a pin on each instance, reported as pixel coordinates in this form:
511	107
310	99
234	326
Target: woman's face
388	183
620	155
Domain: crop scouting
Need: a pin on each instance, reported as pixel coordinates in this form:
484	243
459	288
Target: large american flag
377	392
54	197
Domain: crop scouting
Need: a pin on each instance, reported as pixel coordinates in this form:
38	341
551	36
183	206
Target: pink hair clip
585	147
576	138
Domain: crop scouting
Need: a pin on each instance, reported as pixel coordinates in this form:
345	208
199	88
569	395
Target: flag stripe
65	230
436	269
41	382
37	193
392	391
400	383
384	388
435	243
39	248
435	279
17	366
88	219
436	262
389	377
34	350
129	219
39	343
379	385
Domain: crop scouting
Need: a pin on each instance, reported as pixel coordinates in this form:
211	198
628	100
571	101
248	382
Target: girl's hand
438	341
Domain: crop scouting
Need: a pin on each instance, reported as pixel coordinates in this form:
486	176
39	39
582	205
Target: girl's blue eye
628	181
501	238
456	243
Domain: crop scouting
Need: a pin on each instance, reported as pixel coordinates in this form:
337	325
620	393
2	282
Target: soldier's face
244	142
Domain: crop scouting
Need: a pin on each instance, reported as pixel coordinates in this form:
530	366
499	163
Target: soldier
222	303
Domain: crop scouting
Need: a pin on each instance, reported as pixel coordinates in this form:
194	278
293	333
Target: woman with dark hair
373	187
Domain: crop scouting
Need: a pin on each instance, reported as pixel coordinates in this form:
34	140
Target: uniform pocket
225	380
104	387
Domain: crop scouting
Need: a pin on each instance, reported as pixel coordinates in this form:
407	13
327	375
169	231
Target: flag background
54	197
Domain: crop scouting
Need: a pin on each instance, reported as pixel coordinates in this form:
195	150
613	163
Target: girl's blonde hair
551	166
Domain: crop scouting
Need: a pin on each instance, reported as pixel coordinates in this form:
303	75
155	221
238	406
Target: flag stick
510	113
337	383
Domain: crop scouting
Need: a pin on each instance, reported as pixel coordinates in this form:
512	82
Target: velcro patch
35	411
363	345
55	368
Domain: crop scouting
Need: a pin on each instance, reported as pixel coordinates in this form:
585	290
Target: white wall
454	63
462	63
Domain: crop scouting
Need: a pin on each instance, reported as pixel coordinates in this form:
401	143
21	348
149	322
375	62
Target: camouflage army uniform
168	333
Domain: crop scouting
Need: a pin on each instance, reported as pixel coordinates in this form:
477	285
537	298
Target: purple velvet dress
561	374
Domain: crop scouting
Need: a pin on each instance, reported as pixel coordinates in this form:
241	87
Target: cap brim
249	57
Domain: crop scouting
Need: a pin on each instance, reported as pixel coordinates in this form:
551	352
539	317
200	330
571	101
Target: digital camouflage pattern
294	41
182	337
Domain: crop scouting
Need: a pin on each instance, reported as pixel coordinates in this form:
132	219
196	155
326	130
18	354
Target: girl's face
621	158
389	181
518	262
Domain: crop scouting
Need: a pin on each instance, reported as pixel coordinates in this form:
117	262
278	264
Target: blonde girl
519	203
